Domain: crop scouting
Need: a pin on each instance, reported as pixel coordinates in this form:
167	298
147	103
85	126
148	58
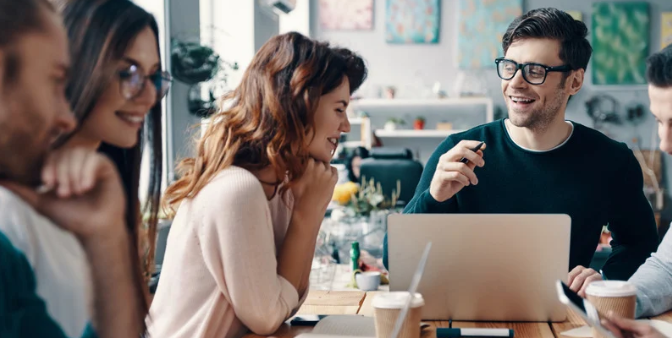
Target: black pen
455	333
475	149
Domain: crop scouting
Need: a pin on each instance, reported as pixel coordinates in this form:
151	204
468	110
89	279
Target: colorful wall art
620	34
346	14
482	23
412	21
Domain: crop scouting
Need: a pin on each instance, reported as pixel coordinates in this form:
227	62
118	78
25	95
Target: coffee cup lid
611	289
396	300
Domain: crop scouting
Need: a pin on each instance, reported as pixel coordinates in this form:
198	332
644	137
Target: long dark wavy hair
100	32
266	119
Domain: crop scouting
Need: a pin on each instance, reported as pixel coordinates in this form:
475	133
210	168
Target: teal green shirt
23	313
592	178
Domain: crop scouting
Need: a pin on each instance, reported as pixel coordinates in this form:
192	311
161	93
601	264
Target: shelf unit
376	108
416	133
421	142
367	104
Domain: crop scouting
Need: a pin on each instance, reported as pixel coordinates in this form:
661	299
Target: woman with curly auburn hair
250	203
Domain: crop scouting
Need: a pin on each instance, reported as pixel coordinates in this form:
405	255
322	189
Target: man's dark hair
18	17
659	68
552	23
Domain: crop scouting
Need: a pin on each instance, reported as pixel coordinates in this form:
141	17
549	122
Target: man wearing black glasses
539	163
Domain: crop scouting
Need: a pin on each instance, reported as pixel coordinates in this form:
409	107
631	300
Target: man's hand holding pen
455	169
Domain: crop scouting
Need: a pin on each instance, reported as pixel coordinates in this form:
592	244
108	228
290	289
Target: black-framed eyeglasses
533	73
132	82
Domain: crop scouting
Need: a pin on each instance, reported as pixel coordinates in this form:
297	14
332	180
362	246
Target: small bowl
368	281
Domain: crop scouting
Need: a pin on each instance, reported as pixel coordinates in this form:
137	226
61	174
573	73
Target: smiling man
536	162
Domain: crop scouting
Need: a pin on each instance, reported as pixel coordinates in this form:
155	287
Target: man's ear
576	81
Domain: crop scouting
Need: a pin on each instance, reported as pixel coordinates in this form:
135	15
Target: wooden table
357	302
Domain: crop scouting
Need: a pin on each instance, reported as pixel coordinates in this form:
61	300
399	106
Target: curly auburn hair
269	116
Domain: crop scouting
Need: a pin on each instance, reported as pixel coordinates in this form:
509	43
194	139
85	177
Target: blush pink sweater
219	276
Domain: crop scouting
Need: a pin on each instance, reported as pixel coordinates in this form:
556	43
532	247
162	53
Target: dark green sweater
23	313
592	178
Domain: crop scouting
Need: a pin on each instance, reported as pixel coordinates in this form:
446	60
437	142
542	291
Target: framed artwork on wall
482	23
665	29
620	34
412	21
346	14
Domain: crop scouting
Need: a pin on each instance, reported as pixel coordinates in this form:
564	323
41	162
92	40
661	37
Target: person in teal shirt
78	190
653	279
537	162
22	312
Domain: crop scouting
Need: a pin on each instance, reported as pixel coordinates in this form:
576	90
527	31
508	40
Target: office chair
387	165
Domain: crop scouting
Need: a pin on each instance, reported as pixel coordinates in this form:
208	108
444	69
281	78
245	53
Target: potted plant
392	124
193	63
419	123
201	68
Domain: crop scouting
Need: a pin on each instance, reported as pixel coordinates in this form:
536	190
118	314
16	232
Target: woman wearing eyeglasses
115	91
114	88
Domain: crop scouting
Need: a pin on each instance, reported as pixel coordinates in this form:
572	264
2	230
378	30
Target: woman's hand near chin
314	190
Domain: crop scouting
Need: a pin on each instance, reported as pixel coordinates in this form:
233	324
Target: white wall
402	66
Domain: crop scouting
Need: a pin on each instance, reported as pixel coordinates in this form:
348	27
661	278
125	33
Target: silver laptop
484	267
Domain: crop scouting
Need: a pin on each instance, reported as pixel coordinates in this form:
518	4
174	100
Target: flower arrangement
362	200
